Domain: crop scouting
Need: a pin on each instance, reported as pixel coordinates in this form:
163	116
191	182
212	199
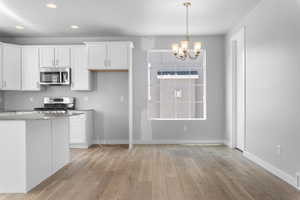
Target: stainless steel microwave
55	76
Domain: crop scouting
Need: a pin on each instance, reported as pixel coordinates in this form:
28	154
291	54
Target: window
176	89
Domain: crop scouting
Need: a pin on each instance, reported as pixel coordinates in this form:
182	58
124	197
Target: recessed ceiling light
20	27
74	27
51	5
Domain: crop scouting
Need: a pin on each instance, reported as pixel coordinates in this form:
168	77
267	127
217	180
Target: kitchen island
33	146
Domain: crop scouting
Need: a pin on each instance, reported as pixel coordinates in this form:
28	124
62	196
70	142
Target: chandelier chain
187	22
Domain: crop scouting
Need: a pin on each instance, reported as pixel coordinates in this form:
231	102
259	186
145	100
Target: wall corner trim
228	143
272	169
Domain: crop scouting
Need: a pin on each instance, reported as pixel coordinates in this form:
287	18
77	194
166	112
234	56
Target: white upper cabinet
109	55
97	56
62	57
11	67
55	56
30	68
80	73
47	58
117	55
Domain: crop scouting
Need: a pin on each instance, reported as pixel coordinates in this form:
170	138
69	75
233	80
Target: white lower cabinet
31	151
81	129
60	144
38	152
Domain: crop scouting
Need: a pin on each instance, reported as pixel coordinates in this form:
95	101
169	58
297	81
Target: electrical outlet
278	150
185	128
86	98
31	99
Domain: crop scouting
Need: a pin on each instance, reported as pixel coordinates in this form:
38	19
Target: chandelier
182	51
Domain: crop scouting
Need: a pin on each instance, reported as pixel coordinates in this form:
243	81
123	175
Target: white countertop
33	116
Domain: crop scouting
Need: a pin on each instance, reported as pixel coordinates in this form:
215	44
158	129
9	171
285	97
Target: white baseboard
160	142
179	142
110	142
79	146
272	169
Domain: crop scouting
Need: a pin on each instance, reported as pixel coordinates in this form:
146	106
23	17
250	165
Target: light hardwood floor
160	172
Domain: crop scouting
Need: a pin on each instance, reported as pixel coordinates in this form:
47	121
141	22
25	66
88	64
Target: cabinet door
11	67
30	68
47	57
97	56
117	55
62	57
60	143
1	75
38	152
78	130
80	73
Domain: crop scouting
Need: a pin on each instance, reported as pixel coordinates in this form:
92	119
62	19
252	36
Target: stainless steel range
57	105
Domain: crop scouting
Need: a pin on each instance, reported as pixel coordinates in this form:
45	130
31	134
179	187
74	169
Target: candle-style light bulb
197	47
184	44
175	48
181	52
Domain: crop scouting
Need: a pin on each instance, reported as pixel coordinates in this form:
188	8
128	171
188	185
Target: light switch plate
122	99
185	128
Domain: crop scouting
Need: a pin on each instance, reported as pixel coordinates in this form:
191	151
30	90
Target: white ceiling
119	17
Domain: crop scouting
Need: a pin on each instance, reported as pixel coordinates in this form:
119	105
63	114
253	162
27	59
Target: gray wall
111	114
272	83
